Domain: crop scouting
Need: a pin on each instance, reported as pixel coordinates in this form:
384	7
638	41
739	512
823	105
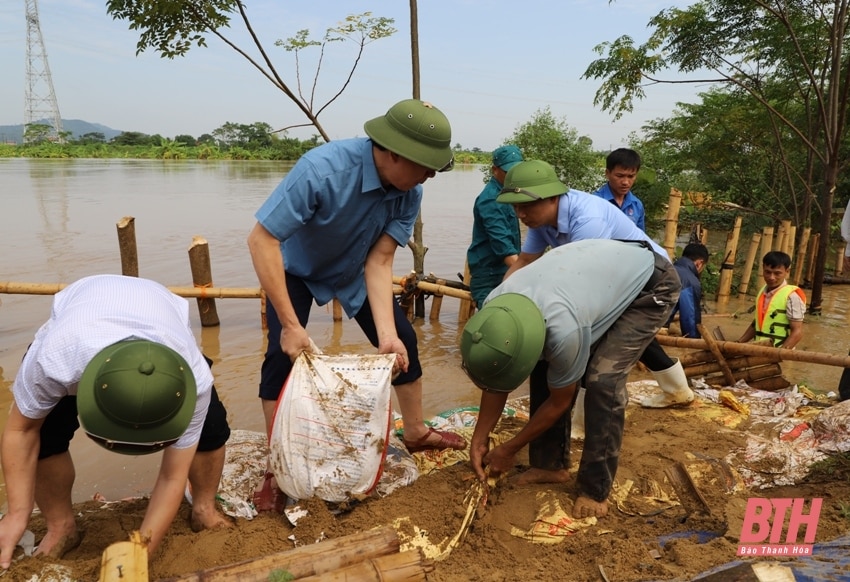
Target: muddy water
58	224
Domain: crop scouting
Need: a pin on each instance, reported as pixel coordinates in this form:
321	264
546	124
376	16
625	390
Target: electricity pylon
40	99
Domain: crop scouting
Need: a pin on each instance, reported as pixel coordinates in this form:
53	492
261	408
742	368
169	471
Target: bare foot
542	476
208	519
587	507
57	545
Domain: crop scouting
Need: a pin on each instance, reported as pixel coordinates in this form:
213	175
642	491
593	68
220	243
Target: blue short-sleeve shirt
328	211
582	216
632	206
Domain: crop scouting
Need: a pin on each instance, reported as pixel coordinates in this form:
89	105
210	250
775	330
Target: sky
489	65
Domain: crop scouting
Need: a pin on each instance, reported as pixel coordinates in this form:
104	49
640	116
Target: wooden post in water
127	246
436	303
813	255
728	265
748	265
839	260
264	322
337	310
801	256
466	308
671	222
199	261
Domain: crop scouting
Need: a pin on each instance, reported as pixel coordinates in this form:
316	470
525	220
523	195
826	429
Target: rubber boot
674	388
577	421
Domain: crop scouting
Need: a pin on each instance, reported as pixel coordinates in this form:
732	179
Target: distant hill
77	127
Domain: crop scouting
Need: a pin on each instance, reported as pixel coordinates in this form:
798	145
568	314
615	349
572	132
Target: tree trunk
418	247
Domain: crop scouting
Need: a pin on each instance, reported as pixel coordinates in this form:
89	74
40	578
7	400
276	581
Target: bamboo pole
127	246
401	567
696	358
467	307
748	265
786	241
770	384
800	261
436	289
124	561
766	247
303	561
703	239
436	303
751	349
737	363
20	288
672	222
336	308
718	355
728	265
813	256
792	241
199	261
748	375
839	260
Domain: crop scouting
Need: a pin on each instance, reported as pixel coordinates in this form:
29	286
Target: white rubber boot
675	390
577	420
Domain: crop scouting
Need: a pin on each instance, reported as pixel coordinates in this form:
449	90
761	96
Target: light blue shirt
328	211
632	206
581	290
582	216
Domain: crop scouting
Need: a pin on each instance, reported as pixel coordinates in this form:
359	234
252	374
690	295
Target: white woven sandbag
330	430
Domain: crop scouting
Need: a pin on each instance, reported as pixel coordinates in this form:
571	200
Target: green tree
131	138
91	137
551	139
37	132
172	28
187	140
756	46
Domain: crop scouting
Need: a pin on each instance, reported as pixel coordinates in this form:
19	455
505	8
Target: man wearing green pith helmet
330	230
581	313
117	357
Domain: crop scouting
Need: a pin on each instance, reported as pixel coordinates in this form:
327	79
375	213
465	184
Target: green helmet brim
416	131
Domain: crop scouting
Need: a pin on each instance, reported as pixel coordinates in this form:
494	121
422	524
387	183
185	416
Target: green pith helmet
530	181
415	130
136	397
502	343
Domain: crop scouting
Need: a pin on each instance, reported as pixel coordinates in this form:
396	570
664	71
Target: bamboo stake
792	241
337	309
123	561
401	567
712	345
801	256
766	247
748	265
303	561
839	260
672	222
436	303
435	289
751	349
785	242
770	384
813	256
127	246
738	363
728	265
696	358
199	262
466	308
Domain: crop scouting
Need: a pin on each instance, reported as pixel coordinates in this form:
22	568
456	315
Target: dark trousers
277	365
606	396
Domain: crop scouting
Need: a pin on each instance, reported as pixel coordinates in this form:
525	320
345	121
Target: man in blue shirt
331	229
555	216
621	169
495	229
689	267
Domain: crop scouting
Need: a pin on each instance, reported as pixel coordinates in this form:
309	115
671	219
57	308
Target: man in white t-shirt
118	357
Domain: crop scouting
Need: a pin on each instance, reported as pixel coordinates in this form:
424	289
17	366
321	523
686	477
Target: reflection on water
63	227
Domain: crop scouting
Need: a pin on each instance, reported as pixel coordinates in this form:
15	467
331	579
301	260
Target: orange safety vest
771	319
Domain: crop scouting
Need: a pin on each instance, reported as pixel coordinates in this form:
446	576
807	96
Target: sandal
269	497
448	440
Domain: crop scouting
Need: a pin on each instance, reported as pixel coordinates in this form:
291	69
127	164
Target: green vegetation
834	467
280	576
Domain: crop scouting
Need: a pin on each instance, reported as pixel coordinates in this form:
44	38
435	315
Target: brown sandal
448	440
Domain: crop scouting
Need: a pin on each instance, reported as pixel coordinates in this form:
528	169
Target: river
59	224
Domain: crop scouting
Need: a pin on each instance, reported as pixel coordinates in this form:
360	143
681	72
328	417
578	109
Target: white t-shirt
96	312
